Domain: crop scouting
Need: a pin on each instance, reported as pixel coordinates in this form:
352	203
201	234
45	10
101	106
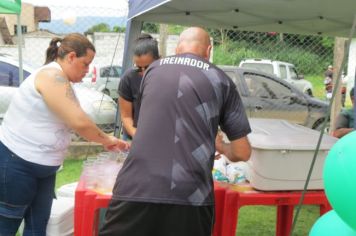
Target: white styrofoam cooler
67	190
282	153
61	221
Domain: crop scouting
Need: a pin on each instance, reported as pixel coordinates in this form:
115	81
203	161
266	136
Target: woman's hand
116	144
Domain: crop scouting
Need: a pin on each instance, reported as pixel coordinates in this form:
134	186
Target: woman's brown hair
75	42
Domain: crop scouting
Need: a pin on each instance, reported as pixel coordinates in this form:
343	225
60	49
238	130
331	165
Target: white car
99	107
282	70
104	79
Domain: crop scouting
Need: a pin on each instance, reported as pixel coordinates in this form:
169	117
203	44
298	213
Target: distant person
328	82
345	120
35	135
344	79
145	52
165	186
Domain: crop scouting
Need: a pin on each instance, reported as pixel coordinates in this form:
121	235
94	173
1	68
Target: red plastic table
86	207
88	203
284	200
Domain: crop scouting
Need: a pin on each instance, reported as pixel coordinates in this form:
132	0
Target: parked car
266	96
281	69
99	107
104	79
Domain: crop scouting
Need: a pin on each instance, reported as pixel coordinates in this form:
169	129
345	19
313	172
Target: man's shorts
151	219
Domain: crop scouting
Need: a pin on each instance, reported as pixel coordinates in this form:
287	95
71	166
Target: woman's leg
17	188
37	214
26	191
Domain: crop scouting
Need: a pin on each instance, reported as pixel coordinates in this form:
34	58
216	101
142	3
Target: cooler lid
278	134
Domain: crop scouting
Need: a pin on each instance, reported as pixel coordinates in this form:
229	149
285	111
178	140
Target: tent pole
19	43
133	30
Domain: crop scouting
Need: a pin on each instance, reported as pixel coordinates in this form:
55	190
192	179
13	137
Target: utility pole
339	53
163	35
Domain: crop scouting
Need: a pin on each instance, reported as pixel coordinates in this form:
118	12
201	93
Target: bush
306	61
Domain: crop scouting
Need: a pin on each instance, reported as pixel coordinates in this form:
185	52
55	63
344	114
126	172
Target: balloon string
300	204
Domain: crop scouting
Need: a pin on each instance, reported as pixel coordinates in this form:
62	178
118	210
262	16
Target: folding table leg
324	208
89	213
284	220
230	213
219	193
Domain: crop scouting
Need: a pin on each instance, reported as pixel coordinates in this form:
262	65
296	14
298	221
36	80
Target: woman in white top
35	135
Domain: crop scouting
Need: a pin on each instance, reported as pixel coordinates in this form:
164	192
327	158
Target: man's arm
342	126
338	133
126	112
237	150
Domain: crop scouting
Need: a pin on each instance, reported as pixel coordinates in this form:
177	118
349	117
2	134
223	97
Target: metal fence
263	97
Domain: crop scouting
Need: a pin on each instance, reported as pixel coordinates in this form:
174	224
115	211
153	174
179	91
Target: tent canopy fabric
10	6
308	17
323	17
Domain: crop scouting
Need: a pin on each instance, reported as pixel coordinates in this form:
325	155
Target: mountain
81	24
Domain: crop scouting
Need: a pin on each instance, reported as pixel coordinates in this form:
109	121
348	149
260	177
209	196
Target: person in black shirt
165	186
145	52
345	119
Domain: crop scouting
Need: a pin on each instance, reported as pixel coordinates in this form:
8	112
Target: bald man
165	186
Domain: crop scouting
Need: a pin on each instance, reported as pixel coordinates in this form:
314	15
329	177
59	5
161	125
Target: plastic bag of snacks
229	172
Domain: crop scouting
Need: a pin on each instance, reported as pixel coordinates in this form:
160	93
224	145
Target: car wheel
106	91
319	125
309	92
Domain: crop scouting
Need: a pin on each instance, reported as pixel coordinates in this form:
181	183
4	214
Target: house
30	18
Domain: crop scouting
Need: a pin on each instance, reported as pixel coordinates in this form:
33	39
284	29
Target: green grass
261	220
318	85
319	88
70	173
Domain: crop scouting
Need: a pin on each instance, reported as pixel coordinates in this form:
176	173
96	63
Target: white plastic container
67	190
282	153
61	221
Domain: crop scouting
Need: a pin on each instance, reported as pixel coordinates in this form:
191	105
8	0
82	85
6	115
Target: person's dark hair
59	48
352	93
146	44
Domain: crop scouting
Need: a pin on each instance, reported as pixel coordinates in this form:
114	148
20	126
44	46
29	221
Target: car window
114	71
264	87
283	71
236	80
293	73
9	75
263	67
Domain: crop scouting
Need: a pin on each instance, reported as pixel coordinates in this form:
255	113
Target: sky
68	8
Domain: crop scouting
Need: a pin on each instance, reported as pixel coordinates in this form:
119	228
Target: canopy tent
308	17
323	17
319	17
327	17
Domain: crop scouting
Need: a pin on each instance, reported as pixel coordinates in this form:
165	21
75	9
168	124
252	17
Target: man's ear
177	50
208	51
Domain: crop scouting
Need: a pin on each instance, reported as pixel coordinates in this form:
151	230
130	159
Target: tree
150	28
119	29
102	27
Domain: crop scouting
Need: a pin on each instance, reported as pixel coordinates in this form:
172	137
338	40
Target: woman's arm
126	112
59	96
